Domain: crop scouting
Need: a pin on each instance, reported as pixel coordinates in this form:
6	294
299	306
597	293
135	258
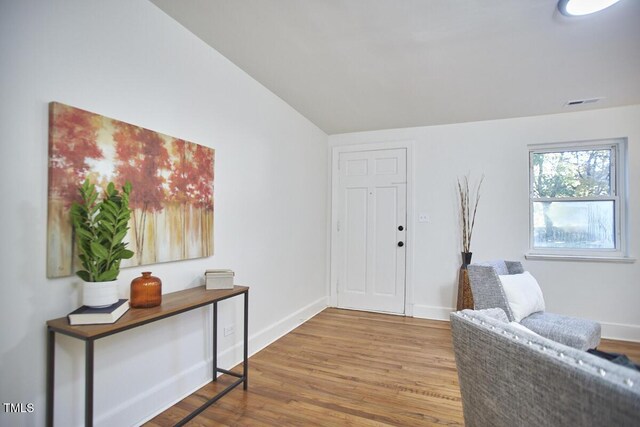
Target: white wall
606	292
128	60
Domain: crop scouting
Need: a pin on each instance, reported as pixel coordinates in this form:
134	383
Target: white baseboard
620	331
176	386
614	331
266	336
163	391
431	312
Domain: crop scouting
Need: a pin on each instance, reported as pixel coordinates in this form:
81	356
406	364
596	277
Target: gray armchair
487	293
510	377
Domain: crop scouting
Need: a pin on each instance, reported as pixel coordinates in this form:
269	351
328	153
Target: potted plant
469	198
100	227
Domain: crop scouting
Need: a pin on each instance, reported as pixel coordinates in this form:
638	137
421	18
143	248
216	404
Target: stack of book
94	316
219	279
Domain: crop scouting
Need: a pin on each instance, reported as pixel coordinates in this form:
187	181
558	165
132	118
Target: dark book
93	316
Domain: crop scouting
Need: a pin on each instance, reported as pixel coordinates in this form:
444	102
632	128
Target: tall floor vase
465	297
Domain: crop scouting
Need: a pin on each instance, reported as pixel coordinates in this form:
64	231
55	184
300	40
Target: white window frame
618	147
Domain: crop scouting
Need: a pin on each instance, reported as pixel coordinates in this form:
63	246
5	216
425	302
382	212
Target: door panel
356	167
384	266
356	239
371	208
386	166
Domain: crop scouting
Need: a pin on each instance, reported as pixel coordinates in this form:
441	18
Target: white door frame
332	237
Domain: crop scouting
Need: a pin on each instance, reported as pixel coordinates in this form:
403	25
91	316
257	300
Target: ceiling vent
581	102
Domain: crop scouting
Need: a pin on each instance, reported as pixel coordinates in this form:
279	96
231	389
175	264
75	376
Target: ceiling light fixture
583	7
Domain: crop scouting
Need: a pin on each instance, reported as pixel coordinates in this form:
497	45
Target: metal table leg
246	341
88	384
51	361
215	341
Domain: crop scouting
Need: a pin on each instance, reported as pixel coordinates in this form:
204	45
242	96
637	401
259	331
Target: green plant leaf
109	227
123	222
119	236
92	199
99	251
108	275
82	232
107	215
123	216
122	253
126	254
111	207
84	275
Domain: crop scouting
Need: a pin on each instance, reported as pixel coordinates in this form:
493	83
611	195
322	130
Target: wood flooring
346	368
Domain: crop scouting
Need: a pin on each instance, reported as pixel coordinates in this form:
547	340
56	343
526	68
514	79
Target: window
576	199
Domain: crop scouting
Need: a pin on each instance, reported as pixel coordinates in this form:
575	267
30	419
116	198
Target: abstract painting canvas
172	180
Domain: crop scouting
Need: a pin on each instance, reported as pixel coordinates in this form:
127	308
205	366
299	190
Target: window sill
588	258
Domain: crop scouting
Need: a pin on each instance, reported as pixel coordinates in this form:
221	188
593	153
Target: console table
172	304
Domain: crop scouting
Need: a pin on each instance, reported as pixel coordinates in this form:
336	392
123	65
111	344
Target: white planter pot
99	294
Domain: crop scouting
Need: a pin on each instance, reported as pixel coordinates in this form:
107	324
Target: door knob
401	244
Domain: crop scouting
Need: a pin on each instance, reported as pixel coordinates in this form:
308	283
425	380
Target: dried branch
468	199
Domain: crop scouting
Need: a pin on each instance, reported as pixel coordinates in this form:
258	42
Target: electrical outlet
423	217
229	330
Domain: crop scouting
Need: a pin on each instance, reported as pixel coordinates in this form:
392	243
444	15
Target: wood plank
628	348
342	368
346	368
172	304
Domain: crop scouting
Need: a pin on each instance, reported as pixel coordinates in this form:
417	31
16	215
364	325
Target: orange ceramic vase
146	291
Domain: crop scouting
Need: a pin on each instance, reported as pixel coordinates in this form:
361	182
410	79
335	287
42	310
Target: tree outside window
575	201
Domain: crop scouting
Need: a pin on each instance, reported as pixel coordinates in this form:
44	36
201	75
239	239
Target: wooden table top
172	304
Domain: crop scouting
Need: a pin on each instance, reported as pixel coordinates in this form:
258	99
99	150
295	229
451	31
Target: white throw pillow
523	294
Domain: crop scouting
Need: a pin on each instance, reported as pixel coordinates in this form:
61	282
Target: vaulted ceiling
353	65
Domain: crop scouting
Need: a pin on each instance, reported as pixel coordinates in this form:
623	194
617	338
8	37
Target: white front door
372	230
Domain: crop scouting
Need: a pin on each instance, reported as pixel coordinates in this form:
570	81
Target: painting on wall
172	180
